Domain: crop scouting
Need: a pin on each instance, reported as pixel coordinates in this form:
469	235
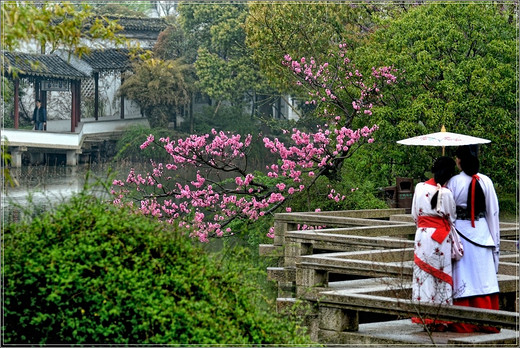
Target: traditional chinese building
75	87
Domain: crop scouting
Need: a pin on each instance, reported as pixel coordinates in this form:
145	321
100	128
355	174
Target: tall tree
160	87
460	62
307	28
224	66
55	25
174	43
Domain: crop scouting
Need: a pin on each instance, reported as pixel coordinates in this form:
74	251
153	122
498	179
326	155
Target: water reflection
42	187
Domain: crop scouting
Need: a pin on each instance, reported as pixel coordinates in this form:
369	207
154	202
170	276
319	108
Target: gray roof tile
107	59
44	65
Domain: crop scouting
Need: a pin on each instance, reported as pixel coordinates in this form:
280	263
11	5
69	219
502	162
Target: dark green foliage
128	145
89	273
459	64
234	119
508	204
224	118
358	194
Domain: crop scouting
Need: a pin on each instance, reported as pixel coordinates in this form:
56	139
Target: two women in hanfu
469	203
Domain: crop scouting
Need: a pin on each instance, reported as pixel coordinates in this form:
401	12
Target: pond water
45	186
40	188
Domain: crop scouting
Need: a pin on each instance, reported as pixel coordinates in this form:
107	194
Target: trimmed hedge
90	273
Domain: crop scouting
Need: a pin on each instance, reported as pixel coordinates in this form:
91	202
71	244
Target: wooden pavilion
64	72
110	60
47	72
52	72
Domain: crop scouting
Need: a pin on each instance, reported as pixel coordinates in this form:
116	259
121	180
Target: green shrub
90	273
355	194
508	204
128	145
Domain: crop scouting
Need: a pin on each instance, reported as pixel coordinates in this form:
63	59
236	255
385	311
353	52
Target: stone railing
355	267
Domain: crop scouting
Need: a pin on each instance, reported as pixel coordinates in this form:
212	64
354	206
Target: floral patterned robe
432	273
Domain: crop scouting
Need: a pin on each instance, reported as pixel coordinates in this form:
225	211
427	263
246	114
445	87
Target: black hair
443	169
469	163
468	155
38	101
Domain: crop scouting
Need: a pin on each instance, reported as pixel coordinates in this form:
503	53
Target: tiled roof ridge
97	60
50	65
138	22
103	59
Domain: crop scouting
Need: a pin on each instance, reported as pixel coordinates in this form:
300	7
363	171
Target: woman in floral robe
434	212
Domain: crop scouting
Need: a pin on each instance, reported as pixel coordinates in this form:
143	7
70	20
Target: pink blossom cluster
197	150
335	196
313	150
207	209
333	83
206	205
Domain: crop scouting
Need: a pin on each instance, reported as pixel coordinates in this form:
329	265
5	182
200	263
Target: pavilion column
37	90
96	95
16	103
78	102
72	157
43	98
73	108
122	98
38	93
16	156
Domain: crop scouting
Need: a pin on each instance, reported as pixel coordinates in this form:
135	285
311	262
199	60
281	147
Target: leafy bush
508	204
128	145
234	119
89	273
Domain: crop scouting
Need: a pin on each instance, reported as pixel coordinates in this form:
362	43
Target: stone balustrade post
72	158
16	156
307	279
338	319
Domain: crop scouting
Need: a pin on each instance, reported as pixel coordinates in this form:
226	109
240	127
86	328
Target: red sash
441	224
445	277
442	227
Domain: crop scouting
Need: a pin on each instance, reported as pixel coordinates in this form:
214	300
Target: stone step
270	250
402	218
404	332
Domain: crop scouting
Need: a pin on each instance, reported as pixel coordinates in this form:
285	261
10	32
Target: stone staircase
348	278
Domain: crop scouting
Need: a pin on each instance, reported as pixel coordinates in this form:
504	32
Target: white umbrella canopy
443	138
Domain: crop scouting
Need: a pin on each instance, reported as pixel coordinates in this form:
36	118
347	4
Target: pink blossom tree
207	207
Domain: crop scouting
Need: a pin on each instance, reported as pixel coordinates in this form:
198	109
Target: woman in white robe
475	282
433	209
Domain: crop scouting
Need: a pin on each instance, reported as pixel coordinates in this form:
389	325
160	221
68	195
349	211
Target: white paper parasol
443	139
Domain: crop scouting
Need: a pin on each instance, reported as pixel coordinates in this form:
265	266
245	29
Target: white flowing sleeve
415	203
492	216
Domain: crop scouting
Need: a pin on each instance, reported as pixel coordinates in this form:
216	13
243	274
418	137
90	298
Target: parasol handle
443	129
